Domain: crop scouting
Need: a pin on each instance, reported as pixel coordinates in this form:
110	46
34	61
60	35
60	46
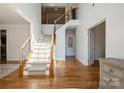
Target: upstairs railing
25	52
68	15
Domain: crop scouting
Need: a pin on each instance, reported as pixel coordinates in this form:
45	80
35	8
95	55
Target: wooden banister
21	68
25	43
51	70
22	47
64	14
53	40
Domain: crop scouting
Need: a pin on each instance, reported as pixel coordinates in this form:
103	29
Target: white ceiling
54	4
72	27
9	16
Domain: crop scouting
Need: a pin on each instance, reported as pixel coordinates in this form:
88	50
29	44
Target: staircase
42	60
39	62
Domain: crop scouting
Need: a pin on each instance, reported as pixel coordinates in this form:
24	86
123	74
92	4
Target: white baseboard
12	61
82	62
60	59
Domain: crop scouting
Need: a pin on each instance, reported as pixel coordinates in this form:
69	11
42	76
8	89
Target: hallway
69	74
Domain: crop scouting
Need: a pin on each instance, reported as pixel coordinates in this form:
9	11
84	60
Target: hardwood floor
69	74
2	61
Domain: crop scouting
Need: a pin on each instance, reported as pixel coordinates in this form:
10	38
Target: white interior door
70	40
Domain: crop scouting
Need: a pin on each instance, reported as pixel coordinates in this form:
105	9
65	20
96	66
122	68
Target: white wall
47	29
60	44
88	16
16	35
60	38
32	13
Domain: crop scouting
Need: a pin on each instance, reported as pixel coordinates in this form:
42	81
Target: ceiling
54	4
9	16
72	27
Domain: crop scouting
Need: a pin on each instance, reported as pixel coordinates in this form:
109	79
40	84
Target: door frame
89	47
1	43
89	31
72	34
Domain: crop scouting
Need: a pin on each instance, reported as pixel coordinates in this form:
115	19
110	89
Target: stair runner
39	62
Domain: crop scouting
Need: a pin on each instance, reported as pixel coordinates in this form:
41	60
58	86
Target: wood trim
97	23
22	47
25	43
24	62
22	66
65	14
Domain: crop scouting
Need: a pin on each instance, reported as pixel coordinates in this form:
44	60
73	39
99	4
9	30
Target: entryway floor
69	74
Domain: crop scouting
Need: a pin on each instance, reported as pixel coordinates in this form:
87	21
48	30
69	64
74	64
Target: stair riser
43	65
41	53
42	50
42	46
37	53
39	60
36	67
36	73
46	45
41	57
38	64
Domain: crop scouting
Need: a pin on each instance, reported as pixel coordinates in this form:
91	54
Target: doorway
3	45
96	42
70	43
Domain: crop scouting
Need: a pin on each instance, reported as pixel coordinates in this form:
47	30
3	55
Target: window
70	42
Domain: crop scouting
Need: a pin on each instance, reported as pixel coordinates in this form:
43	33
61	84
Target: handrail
63	15
25	43
22	65
51	70
52	50
22	47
